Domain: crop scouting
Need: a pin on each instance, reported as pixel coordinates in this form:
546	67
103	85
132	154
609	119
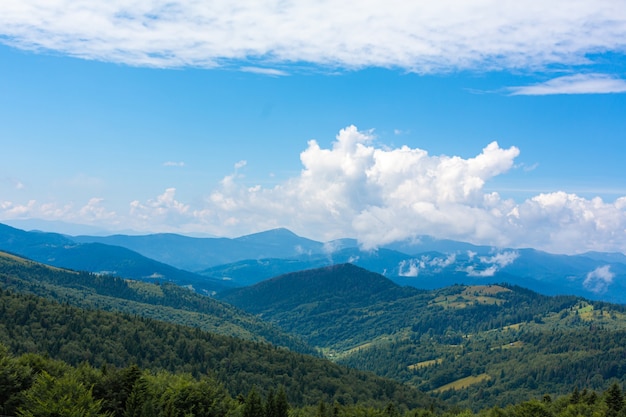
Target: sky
494	122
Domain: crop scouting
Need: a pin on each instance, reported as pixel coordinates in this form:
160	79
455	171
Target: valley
472	345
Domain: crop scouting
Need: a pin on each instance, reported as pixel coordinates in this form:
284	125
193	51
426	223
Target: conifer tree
253	406
614	399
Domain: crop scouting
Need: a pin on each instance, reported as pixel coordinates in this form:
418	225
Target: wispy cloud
265	71
599	280
420	36
13	183
413	267
173	164
574	84
488	266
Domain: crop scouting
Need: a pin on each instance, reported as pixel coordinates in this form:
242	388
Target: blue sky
366	121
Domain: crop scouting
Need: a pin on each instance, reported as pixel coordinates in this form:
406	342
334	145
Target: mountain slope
508	341
58	250
35	325
594	276
195	254
167	302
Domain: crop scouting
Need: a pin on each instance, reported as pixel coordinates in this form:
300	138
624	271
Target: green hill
58	250
165	301
36	325
475	346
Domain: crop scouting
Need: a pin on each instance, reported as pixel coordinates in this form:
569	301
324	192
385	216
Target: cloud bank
418	36
376	194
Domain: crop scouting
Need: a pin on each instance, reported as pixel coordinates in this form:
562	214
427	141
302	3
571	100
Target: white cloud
378	195
409	268
413	267
422	36
91	213
164	210
599	280
265	71
574	84
488	265
173	164
13	183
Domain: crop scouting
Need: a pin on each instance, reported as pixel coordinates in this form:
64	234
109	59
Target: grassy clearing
424	364
472	295
462	383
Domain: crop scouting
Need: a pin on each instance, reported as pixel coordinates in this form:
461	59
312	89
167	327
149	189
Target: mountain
163	301
252	271
470	344
195	254
598	277
425	263
106	340
62	251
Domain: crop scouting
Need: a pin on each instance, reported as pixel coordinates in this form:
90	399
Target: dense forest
124	348
36	386
160	300
472	346
29	324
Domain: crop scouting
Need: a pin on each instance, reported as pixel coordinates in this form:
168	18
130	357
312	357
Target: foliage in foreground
35	386
30	324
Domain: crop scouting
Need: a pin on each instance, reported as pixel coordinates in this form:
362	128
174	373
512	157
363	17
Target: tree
614	399
14	378
253	407
64	396
282	405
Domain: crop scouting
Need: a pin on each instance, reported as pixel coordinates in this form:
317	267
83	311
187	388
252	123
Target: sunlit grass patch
462	383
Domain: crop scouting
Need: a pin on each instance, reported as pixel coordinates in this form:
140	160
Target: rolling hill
62	251
164	301
425	263
194	254
34	325
509	341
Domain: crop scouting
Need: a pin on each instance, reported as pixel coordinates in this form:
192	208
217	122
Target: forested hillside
164	301
30	324
62	251
472	345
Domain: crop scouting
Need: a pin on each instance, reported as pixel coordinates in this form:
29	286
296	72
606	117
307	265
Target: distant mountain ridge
62	251
165	301
425	262
195	254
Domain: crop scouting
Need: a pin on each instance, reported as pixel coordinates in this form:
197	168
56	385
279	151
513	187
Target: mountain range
470	345
213	265
464	346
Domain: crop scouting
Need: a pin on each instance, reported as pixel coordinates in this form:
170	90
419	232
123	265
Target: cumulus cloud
599	280
90	213
377	194
574	84
418	36
164	210
380	195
